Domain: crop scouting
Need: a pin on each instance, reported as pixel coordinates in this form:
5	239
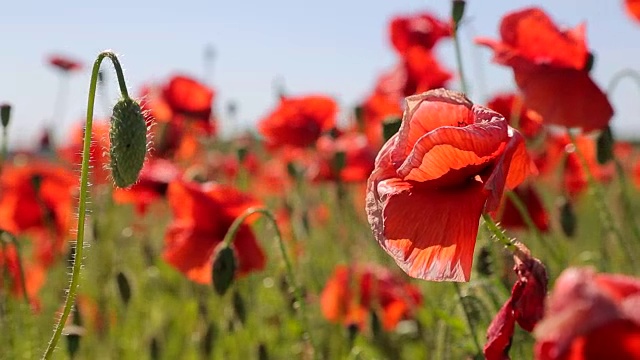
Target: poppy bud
242	153
207	339
390	127
484	263
358	113
457	11
568	218
154	349
605	146
239	307
262	352
590	62
124	289
74	333
224	269
5	114
128	136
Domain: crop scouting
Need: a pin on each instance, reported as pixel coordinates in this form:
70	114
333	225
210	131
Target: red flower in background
299	121
633	9
202	215
353	291
189	98
510	217
357	158
423	30
64	63
511	106
447	152
152	185
525	306
375	110
423	72
590	316
559	150
551	69
38	197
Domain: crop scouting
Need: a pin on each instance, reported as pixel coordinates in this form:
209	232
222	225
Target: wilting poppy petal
447	151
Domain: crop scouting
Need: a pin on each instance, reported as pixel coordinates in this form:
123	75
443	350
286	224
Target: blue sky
334	46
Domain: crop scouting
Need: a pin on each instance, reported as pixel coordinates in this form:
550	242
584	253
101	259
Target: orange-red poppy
202	215
423	29
590	316
189	98
353	291
64	63
511	106
299	121
375	110
551	69
633	9
510	217
559	150
38	197
423	71
447	152
152	185
525	306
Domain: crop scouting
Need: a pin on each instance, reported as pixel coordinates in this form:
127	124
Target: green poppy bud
224	269
128	136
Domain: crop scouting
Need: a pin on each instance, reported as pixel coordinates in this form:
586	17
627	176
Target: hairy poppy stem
522	209
297	293
16	245
498	233
84	187
603	210
467	315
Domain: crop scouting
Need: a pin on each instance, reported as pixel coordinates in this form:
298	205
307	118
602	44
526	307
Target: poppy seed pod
128	136
5	114
224	269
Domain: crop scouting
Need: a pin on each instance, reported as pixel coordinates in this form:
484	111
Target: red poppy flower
203	214
590	316
188	97
424	30
38	197
560	150
299	121
423	71
510	217
375	109
525	306
64	63
550	68
357	162
447	152
511	106
353	291
152	185
633	9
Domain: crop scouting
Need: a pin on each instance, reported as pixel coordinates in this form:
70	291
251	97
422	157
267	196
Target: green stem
619	76
84	187
524	213
603	210
467	315
456	43
498	233
5	144
230	236
626	200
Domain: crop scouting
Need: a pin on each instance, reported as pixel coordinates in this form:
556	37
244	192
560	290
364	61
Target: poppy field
422	223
